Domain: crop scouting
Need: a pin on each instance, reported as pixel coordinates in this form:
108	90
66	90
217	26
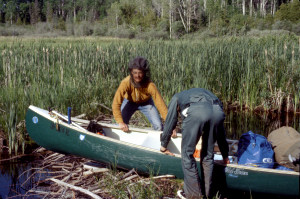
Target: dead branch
15	157
80	116
164	176
94	171
53	157
39	150
131	177
128	173
76	188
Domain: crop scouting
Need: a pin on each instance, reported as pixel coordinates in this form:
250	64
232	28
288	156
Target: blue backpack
255	150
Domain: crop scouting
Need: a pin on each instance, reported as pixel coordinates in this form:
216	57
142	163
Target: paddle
66	119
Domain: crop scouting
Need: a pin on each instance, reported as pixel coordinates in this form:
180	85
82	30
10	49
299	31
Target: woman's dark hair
142	64
139	63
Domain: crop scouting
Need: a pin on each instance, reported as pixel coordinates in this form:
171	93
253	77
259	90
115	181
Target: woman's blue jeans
147	108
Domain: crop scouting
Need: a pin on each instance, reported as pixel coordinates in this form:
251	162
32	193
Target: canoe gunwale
265	170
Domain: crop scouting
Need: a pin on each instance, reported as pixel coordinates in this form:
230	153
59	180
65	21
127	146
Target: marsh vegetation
247	74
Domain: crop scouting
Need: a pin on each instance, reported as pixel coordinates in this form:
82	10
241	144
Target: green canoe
139	149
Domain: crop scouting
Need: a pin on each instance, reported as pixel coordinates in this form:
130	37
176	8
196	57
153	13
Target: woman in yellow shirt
138	92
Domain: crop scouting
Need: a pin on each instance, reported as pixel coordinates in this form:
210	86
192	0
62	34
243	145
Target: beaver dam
67	176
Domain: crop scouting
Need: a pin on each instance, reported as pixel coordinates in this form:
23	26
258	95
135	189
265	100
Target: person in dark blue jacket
202	114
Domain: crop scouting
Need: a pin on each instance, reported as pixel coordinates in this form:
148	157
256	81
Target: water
13	184
16	177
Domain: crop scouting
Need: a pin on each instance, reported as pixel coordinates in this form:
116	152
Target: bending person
138	92
202	115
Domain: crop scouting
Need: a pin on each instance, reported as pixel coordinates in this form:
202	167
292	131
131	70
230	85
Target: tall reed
252	73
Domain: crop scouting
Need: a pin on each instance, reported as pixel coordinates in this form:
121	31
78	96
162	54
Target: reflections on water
15	177
237	123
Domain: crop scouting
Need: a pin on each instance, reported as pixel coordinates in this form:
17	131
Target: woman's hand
174	134
166	151
123	127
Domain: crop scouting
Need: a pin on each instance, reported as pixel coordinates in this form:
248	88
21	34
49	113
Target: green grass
253	73
113	185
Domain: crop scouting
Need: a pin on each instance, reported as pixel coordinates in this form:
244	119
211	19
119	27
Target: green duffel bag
286	145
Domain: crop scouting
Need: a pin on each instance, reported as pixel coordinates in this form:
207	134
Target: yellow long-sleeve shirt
137	95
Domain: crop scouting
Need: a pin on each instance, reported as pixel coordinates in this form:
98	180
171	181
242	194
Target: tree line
175	17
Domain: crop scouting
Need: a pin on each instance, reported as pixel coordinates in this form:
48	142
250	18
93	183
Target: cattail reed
247	72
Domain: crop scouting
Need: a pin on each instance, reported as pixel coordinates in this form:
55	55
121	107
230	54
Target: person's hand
226	161
123	127
174	134
166	151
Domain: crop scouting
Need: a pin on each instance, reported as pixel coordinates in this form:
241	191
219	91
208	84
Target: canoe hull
64	138
256	180
69	141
